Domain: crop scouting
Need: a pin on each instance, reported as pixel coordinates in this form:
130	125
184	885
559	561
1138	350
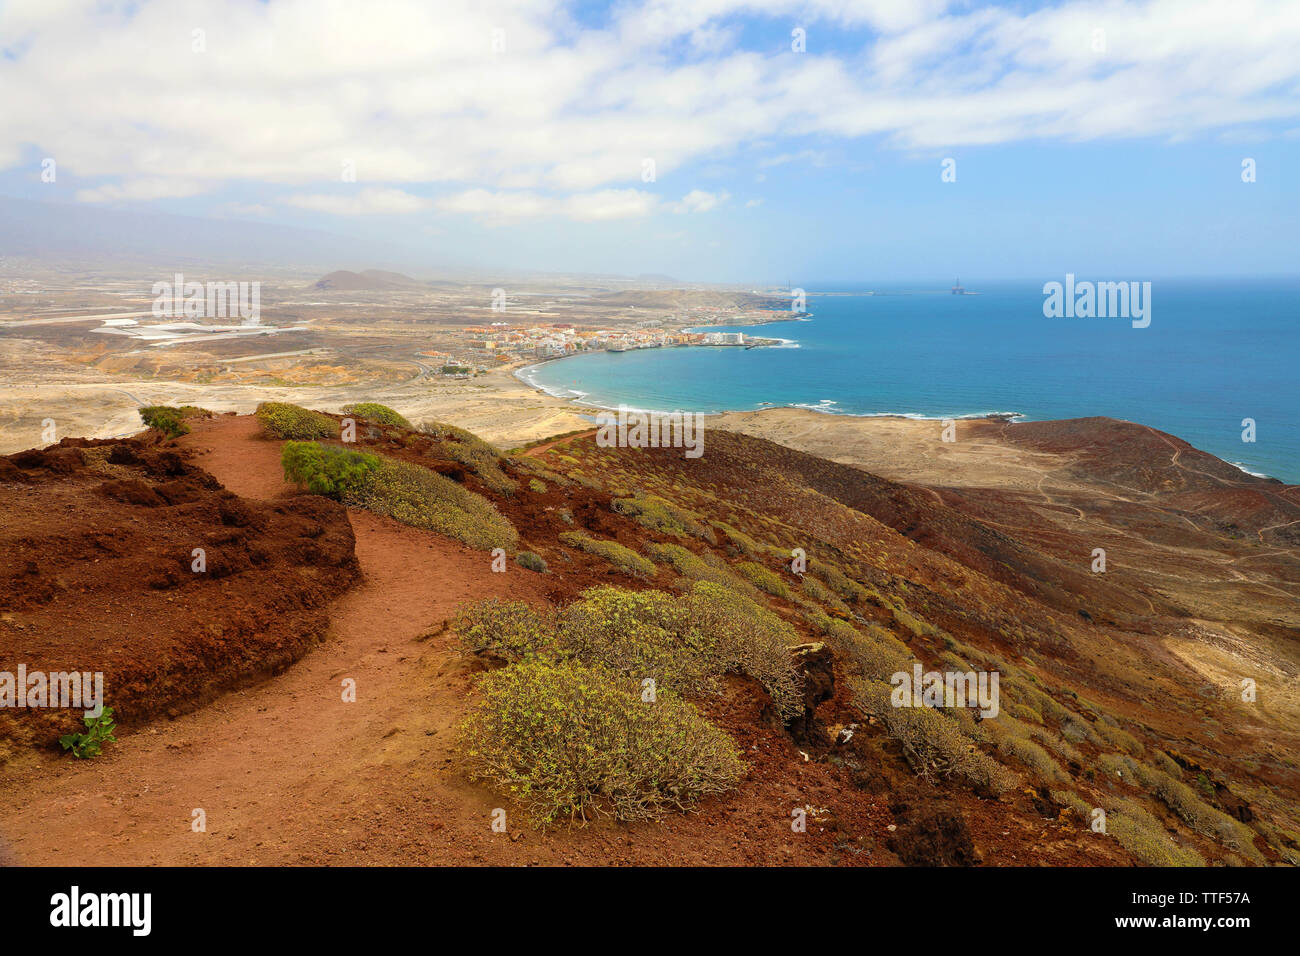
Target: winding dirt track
287	773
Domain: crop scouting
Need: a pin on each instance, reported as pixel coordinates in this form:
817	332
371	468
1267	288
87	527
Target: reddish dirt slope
288	773
97	549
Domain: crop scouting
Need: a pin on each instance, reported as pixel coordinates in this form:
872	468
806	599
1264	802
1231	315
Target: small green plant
531	561
170	420
291	421
571	742
624	559
99	731
333	472
661	515
765	579
376	413
422	498
537	486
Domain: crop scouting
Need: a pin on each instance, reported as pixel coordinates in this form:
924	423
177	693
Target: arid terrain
1122	688
71	351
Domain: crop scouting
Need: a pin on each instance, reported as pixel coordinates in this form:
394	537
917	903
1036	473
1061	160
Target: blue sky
1100	138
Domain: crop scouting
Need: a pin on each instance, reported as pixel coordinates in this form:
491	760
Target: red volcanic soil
286	772
96	550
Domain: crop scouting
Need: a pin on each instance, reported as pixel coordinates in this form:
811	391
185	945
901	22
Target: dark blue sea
1215	353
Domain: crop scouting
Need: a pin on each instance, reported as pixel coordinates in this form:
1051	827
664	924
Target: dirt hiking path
286	772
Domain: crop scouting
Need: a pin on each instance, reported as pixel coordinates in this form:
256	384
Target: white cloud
697	200
412	94
364	202
507	207
753	203
154	187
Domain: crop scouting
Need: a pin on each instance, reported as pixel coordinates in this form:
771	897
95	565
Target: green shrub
681	643
874	653
170	419
740	541
818	592
537	486
531	561
290	421
1118	738
639	634
748	638
374	412
1144	837
1034	757
164	419
697	567
513	629
767	580
1184	801
443	432
909	622
424	499
474	453
623	559
660	515
933	744
570	741
837	581
326	471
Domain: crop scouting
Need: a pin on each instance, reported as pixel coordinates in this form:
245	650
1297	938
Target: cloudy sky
708	139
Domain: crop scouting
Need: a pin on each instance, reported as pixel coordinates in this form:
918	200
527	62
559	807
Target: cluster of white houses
554	341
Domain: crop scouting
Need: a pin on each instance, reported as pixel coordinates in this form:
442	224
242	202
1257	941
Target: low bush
621	558
569	741
164	419
170	419
1117	737
820	593
837	581
374	412
474	453
933	744
639	634
682	644
697	567
531	561
1034	757
421	498
283	420
764	579
333	472
739	541
874	653
749	639
1184	801
513	629
1145	837
660	515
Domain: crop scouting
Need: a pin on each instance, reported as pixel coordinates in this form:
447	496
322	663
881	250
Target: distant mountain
68	234
368	281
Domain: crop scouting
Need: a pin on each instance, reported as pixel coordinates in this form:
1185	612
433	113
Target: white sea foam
1240	467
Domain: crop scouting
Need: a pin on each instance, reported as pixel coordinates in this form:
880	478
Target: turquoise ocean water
1214	354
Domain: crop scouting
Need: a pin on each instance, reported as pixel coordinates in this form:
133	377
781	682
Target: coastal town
502	343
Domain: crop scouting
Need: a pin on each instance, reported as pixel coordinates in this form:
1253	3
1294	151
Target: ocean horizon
1216	352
